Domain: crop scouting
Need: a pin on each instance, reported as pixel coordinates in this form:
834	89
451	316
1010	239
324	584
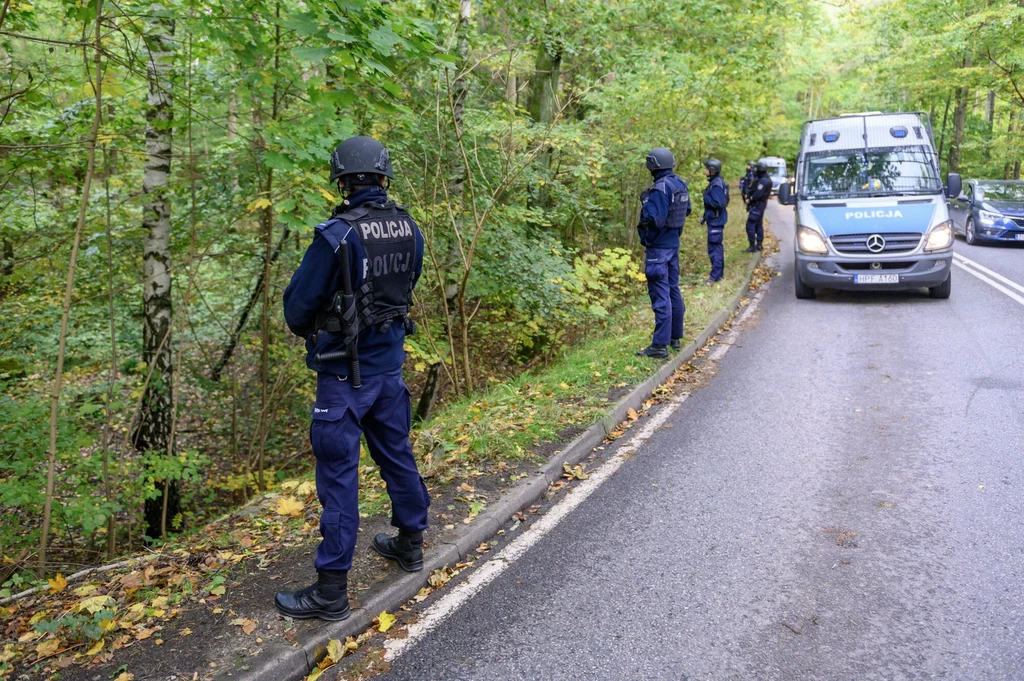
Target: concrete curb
282	663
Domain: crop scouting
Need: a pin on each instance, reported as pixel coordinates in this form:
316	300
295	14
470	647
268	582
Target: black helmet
762	167
751	164
660	159
360	156
714	165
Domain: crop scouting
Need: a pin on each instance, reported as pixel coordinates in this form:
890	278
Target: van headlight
940	237
988	218
810	241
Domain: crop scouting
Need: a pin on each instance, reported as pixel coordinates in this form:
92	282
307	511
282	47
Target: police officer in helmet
716	199
747	181
356	348
757	202
664	207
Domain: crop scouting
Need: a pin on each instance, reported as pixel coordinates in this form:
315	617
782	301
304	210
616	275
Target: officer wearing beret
716	200
664	207
350	300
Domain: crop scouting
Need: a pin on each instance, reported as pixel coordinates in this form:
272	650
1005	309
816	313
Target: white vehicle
776	171
870	206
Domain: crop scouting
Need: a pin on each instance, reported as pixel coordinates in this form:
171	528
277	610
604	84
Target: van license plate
876	278
1020	237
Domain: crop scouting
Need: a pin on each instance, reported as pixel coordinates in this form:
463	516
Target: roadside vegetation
162	165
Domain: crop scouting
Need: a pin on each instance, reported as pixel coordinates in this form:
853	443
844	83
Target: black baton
345	307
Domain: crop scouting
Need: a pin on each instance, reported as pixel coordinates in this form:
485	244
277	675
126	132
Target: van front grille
857	244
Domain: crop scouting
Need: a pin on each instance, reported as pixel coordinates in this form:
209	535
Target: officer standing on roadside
356	348
716	199
757	201
664	207
747	181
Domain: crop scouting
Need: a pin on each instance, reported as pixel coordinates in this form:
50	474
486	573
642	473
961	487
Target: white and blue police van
871	206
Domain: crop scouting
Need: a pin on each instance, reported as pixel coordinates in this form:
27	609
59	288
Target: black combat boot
653	351
750	249
406	548
759	248
675	344
327	599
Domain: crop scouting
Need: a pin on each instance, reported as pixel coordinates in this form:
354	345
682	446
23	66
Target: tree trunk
153	433
959	120
429	395
243	318
945	118
51	466
990	115
544	106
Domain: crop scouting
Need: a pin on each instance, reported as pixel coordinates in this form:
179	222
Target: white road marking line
453	600
489	571
994	284
994	275
729	338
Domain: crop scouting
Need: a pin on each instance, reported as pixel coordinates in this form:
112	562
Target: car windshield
874	172
1002	192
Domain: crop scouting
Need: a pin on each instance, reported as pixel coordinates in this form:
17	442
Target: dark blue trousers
755	225
716	253
661	267
381	411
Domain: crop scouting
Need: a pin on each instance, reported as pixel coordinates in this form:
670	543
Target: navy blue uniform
759	195
665	206
747	183
380	409
715	217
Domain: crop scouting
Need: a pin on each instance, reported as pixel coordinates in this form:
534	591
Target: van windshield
874	172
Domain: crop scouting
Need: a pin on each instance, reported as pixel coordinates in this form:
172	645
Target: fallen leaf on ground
632	415
335	650
95	649
125	676
47	648
94	604
57	583
185	632
144	634
385	621
249	627
289	506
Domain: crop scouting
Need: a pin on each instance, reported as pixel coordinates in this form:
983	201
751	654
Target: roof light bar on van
898	131
830	136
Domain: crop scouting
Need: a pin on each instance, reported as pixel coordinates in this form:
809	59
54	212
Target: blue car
989	210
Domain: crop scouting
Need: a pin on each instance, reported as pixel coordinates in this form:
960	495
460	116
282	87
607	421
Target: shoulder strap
336	229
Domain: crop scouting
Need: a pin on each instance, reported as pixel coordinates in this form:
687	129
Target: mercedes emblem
876	244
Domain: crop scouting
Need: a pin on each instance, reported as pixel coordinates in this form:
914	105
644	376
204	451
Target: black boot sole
314	614
416	566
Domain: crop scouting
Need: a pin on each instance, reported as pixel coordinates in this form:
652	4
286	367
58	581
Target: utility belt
333	320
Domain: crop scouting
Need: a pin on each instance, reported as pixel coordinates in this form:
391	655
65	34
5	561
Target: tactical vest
388	235
678	198
717	180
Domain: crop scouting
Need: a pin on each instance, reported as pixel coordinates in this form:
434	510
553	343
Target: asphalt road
845	500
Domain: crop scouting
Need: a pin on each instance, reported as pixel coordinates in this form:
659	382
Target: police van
870	206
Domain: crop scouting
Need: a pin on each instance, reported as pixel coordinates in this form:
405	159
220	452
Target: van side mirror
786	197
954	186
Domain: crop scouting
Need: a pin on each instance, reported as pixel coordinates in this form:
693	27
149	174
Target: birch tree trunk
154	432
